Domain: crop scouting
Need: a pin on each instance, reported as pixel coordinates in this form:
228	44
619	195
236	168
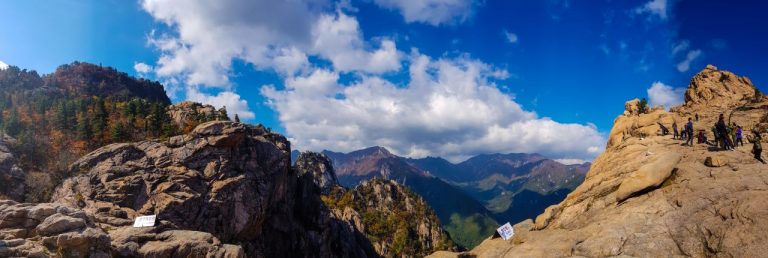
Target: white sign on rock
144	221
506	231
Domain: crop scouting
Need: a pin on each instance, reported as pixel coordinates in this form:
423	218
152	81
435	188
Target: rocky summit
224	190
649	195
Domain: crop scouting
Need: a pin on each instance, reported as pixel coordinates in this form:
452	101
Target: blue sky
428	77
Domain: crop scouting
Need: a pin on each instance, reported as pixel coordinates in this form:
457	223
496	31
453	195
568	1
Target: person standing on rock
739	136
689	132
722	131
697	117
757	148
675	134
717	142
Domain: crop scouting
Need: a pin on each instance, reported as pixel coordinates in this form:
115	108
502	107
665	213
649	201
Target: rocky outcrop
648	195
49	229
164	241
713	88
224	190
11	175
398	222
320	169
187	114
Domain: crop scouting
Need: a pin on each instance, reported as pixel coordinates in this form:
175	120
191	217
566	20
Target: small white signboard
506	231
144	221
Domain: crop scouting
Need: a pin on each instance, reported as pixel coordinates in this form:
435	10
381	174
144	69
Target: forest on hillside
56	118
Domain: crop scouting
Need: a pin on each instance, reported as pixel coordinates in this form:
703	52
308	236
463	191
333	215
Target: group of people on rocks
727	136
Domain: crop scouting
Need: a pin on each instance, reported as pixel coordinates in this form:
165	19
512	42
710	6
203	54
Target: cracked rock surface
648	195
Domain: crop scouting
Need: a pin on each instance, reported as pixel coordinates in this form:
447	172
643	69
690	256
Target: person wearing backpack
757	148
689	132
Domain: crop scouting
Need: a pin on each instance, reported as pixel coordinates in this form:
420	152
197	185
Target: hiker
682	134
722	131
757	149
739	136
716	139
697	117
664	130
689	132
676	135
702	137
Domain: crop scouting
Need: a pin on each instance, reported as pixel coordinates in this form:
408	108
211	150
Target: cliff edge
649	195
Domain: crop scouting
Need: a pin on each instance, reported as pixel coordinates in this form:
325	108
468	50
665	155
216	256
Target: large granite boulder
226	184
45	229
649	195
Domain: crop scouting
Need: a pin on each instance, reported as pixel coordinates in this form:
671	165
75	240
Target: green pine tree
84	131
99	119
119	133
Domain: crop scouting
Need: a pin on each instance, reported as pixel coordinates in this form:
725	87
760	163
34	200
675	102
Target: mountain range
473	197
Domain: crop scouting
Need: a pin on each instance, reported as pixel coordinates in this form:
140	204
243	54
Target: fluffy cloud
207	37
450	107
680	47
434	12
142	68
228	99
654	7
690	57
665	95
338	38
511	37
571	161
3	65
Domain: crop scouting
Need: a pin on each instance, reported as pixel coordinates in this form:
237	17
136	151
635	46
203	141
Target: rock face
187	114
40	230
11	175
320	168
224	183
649	196
397	221
716	88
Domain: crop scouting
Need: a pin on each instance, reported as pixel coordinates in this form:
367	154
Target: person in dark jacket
757	148
739	138
689	132
676	134
722	132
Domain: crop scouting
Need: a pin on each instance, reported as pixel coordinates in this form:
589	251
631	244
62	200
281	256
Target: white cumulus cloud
205	38
665	95
433	12
450	108
142	68
338	38
654	7
511	37
685	64
228	99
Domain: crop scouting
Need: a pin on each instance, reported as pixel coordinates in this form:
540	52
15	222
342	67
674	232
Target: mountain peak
375	150
719	88
662	194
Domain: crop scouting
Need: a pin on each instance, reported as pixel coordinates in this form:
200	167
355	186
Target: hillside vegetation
59	117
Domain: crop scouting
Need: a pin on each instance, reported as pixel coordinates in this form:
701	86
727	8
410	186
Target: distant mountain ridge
489	187
463	217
